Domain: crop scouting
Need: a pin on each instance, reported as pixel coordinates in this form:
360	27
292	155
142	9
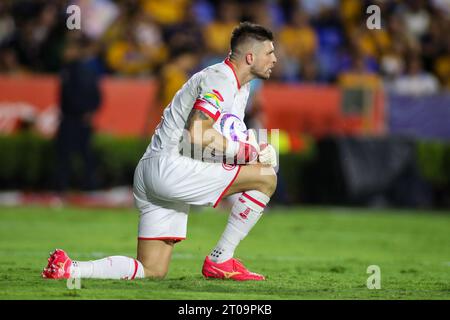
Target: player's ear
249	58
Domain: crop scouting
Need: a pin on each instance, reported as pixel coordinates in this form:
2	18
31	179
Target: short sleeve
215	95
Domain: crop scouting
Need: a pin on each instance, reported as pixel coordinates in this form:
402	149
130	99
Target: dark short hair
247	30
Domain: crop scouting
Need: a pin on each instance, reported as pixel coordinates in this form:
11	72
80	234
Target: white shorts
166	185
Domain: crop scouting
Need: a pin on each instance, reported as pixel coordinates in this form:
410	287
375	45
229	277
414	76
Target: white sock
233	198
115	267
244	215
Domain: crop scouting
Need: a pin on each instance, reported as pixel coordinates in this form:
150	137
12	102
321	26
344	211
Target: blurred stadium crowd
317	41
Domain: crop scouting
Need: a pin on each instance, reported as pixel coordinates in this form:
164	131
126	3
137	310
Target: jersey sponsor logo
228	167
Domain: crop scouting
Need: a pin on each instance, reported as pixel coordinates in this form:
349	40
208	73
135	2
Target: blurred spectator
314	8
359	75
39	38
80	98
433	43
356	50
372	43
176	72
135	37
416	16
217	34
442	66
299	41
416	81
399	34
166	12
391	63
186	33
265	13
203	11
7	24
442	6
309	71
351	12
331	41
9	63
139	49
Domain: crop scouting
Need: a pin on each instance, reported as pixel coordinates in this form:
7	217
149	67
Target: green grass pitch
305	253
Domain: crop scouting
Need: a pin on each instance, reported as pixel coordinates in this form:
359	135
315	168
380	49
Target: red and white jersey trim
228	63
208	108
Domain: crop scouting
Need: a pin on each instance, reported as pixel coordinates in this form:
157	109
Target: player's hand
267	154
248	150
251	139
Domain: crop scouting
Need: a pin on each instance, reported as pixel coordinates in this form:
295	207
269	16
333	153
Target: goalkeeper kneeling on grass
166	182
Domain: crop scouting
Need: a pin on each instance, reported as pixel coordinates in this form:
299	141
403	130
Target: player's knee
155	272
269	183
272	185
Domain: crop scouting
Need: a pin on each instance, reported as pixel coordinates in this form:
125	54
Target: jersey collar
229	64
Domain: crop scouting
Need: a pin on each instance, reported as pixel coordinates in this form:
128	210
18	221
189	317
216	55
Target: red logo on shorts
228	167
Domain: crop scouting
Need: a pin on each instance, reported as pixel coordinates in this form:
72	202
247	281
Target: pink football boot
230	269
58	266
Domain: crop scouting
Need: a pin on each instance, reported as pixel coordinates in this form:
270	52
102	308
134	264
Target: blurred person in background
187	33
416	16
216	34
138	51
7	23
299	41
9	64
316	8
436	48
330	34
417	81
442	66
392	64
176	72
39	35
309	72
398	33
167	12
80	98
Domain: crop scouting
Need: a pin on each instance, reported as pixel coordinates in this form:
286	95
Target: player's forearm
215	145
203	135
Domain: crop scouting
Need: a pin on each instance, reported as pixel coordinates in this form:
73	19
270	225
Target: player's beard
261	75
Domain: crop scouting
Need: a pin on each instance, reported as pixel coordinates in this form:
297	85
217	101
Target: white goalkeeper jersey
213	90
